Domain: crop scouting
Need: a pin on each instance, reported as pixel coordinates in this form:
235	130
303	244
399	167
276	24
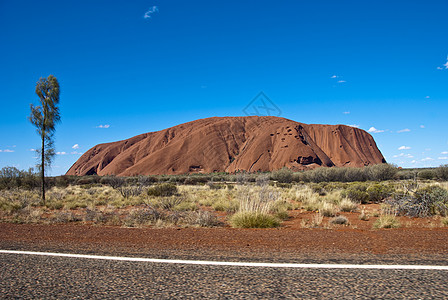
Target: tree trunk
43	169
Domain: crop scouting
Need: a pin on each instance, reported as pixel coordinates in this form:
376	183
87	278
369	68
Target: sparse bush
427	174
339	220
253	220
163	190
423	202
130	191
230	206
444	221
169	203
386	221
144	216
113	181
442	172
202	219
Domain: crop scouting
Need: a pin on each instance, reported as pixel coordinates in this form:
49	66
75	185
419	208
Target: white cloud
427	97
413	162
427	159
341	81
7	151
404	130
75	146
404	148
61	153
443	157
334	76
32	149
439	68
354	125
374	130
152	10
403	155
446	64
444	152
422	126
346	112
103	126
75	153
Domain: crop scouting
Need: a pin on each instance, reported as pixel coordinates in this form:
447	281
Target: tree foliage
45	117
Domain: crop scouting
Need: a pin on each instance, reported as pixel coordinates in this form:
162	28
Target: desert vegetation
381	196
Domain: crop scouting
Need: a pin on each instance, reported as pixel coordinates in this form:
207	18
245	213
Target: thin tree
45	117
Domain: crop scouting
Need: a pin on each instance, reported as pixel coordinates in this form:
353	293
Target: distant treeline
11	177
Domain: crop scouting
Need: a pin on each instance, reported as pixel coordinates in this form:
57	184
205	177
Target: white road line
235	264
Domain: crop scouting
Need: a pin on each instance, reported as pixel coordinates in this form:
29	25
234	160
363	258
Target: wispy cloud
103	126
404	130
422	126
374	130
354	125
7	151
443	157
334	76
427	97
75	146
342	81
152	10
404	155
76	153
404	148
444	66
427	159
444	152
346	112
61	153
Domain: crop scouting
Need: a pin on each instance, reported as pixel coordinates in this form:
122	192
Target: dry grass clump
315	222
328	209
444	221
255	207
346	205
387	221
253	220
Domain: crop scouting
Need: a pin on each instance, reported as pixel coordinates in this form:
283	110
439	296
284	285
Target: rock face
229	144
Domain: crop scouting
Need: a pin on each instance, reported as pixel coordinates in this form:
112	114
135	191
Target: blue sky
129	67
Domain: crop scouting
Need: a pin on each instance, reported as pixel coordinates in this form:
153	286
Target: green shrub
284	175
253	220
442	172
427	174
381	172
356	192
163	190
378	192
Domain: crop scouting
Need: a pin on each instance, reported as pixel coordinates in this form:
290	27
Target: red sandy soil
229	144
418	237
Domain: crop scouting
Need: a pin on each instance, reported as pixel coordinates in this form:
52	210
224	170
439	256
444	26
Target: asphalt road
44	277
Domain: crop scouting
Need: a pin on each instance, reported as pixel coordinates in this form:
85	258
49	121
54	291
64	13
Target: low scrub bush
284	175
357	192
427	174
442	172
339	220
163	190
202	219
328	209
378	192
424	202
